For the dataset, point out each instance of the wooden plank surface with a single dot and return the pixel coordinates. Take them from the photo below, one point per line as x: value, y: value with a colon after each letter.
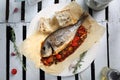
x: 32, y: 72
x: 30, y: 12
x: 2, y: 10
x: 114, y: 34
x: 14, y: 15
x: 3, y: 51
x: 64, y: 1
x: 101, y: 58
x: 46, y: 3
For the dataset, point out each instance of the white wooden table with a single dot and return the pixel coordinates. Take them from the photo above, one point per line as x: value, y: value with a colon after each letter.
x: 109, y: 55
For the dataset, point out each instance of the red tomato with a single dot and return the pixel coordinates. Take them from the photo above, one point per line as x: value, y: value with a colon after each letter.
x: 13, y: 71
x: 50, y: 59
x: 81, y: 30
x: 74, y: 44
x: 58, y: 56
x: 76, y: 38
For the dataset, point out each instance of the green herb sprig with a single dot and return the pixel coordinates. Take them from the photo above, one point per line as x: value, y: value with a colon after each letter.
x: 78, y: 64
x: 13, y: 40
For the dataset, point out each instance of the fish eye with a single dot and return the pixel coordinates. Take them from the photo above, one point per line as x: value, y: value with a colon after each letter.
x: 43, y: 48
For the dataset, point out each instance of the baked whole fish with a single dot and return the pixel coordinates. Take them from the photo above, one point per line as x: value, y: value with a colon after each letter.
x: 59, y: 41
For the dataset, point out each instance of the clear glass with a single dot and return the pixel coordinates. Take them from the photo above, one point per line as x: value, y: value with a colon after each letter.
x: 97, y: 4
x: 110, y: 74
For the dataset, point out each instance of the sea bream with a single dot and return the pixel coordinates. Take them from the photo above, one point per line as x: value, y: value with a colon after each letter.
x: 59, y: 39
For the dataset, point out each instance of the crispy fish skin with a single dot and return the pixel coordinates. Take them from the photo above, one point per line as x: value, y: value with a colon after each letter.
x: 59, y: 39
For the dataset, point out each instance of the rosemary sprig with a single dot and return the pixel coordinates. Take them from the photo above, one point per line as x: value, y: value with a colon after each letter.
x: 78, y: 65
x: 13, y: 39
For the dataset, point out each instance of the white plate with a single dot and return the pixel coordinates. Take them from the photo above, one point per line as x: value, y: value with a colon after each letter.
x: 48, y: 12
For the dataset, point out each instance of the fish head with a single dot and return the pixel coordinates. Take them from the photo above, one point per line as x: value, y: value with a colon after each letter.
x: 46, y: 49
